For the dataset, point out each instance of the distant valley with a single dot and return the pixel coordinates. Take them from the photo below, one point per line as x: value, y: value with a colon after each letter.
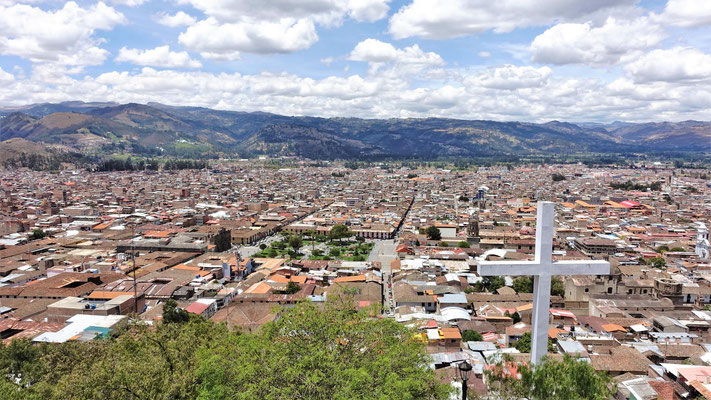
x: 157, y: 129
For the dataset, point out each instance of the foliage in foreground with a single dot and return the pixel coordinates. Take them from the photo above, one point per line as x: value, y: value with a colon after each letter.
x: 568, y: 379
x: 308, y: 353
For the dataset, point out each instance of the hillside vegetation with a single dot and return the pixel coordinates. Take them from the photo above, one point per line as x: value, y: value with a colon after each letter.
x: 156, y: 129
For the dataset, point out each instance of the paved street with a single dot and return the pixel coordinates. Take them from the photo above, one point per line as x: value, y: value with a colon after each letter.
x: 384, y: 252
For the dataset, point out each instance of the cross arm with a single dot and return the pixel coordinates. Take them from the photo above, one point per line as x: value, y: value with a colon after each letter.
x: 487, y: 268
x: 581, y: 267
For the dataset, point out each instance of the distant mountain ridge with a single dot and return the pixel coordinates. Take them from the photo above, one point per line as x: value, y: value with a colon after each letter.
x: 101, y: 128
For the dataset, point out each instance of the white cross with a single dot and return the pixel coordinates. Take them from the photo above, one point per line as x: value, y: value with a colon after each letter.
x: 543, y: 268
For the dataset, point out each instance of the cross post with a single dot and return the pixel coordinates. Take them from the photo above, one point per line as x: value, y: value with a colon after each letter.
x: 542, y: 268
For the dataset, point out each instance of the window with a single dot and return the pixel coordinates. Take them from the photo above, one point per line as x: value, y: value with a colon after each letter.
x: 587, y: 290
x: 609, y: 290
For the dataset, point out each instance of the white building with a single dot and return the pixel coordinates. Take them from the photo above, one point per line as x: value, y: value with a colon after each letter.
x: 702, y: 241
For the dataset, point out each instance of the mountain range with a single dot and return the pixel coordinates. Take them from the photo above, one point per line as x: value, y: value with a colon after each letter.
x: 154, y: 129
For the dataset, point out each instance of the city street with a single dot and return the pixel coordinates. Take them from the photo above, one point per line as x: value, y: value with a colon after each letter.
x: 384, y: 252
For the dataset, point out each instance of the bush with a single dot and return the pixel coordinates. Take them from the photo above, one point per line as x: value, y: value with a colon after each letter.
x: 472, y: 336
x: 568, y: 379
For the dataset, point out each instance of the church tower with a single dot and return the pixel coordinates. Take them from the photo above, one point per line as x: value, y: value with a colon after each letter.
x: 702, y: 241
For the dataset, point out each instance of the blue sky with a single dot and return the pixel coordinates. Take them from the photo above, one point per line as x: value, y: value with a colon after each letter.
x: 532, y: 60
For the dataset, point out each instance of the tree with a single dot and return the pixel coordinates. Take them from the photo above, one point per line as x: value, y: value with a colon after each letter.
x: 292, y: 287
x: 523, y: 284
x: 173, y: 314
x: 37, y: 234
x: 515, y: 317
x: 658, y: 262
x: 339, y: 232
x: 262, y: 246
x: 463, y: 198
x: 295, y: 241
x: 312, y: 235
x: 338, y: 352
x: 568, y: 379
x: 491, y: 283
x: 524, y: 344
x: 557, y: 177
x: 472, y: 336
x: 433, y: 233
x: 463, y: 244
x: 443, y: 244
x: 557, y: 287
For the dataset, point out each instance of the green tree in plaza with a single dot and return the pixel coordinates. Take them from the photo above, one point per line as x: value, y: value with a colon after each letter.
x: 433, y: 233
x: 339, y: 232
x: 312, y: 236
x: 463, y: 245
x: 295, y: 241
x: 568, y: 379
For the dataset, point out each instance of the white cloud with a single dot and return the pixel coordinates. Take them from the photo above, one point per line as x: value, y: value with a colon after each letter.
x: 368, y: 10
x: 6, y: 77
x: 484, y: 54
x: 510, y: 77
x: 158, y: 57
x: 324, y: 12
x: 671, y: 65
x: 64, y: 36
x: 502, y: 93
x: 615, y: 41
x: 178, y: 19
x: 129, y: 3
x: 268, y: 27
x: 435, y: 19
x: 687, y: 13
x: 214, y: 40
x: 375, y: 51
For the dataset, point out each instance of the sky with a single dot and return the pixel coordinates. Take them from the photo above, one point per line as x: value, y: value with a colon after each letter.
x: 526, y: 60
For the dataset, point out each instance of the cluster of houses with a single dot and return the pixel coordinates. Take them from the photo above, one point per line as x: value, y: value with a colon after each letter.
x: 79, y: 252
